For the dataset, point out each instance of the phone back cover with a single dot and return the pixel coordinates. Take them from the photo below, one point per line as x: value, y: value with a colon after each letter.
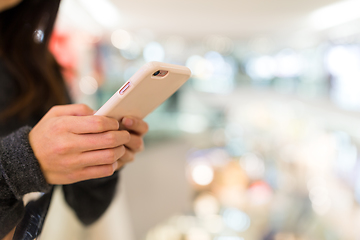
x: 146, y: 92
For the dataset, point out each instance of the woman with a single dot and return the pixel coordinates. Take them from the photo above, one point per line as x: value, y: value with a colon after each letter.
x: 42, y: 145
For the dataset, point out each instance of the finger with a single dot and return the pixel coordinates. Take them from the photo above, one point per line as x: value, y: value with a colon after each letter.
x: 101, y: 157
x: 70, y: 110
x: 98, y: 141
x: 94, y: 172
x: 120, y: 164
x: 136, y: 143
x: 90, y: 124
x: 128, y: 156
x: 135, y: 125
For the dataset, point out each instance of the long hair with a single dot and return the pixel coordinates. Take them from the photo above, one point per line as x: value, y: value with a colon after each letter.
x: 25, y: 31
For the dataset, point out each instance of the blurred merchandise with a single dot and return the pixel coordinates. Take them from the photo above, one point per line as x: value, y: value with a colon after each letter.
x: 293, y: 179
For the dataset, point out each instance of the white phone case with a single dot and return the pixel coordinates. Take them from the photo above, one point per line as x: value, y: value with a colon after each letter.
x: 143, y: 92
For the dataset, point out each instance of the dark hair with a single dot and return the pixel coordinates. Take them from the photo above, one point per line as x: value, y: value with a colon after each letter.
x: 25, y: 31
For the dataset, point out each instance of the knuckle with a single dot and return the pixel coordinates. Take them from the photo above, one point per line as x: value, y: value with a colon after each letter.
x: 111, y: 139
x: 57, y: 128
x: 128, y: 157
x: 61, y: 148
x: 64, y: 165
x: 73, y: 177
x: 59, y: 125
x: 126, y: 135
x: 110, y: 156
x: 115, y: 122
x: 54, y: 109
x: 108, y: 170
x: 98, y: 123
x: 69, y: 164
x: 83, y: 107
x: 139, y: 144
x: 122, y: 151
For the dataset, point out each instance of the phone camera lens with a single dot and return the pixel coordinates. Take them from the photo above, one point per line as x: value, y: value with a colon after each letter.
x: 156, y: 73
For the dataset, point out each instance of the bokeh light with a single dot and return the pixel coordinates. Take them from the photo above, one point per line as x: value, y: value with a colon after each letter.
x: 213, y: 224
x: 319, y: 195
x: 206, y: 205
x: 121, y: 39
x: 88, y: 85
x: 212, y: 73
x: 260, y: 193
x: 199, y: 67
x: 345, y: 11
x: 154, y: 51
x: 253, y: 165
x: 262, y: 68
x: 185, y: 223
x: 163, y: 233
x: 343, y: 64
x: 236, y: 219
x: 198, y: 234
x: 39, y: 36
x: 289, y: 64
x: 104, y: 12
x: 202, y: 174
x: 343, y: 60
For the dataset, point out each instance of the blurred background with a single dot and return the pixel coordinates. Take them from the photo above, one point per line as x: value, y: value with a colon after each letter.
x: 260, y: 144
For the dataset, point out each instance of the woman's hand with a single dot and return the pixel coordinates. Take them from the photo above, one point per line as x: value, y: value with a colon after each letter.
x: 72, y: 145
x: 137, y: 129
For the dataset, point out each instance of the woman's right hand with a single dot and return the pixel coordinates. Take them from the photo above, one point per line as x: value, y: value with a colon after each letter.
x: 72, y: 145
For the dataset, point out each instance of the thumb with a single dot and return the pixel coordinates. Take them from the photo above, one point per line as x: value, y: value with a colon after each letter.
x: 70, y: 110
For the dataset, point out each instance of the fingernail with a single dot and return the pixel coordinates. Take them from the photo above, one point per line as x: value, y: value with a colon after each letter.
x: 115, y: 165
x: 128, y: 122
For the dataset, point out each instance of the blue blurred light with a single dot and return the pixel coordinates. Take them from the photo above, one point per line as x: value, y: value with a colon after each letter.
x: 212, y: 73
x: 262, y: 68
x: 289, y: 64
x: 236, y: 219
x: 154, y: 51
x: 343, y: 64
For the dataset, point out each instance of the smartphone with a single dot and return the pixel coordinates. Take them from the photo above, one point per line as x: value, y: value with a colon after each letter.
x: 148, y: 88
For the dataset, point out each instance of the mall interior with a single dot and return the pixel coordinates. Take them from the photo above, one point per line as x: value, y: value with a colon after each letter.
x: 261, y: 143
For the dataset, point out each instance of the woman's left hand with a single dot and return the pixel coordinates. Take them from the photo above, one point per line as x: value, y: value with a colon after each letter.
x: 137, y: 129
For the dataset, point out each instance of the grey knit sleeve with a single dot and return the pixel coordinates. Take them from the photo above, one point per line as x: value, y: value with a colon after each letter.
x: 20, y: 173
x: 19, y: 166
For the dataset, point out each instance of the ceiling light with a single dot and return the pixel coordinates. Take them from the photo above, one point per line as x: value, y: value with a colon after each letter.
x: 335, y: 14
x: 104, y: 12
